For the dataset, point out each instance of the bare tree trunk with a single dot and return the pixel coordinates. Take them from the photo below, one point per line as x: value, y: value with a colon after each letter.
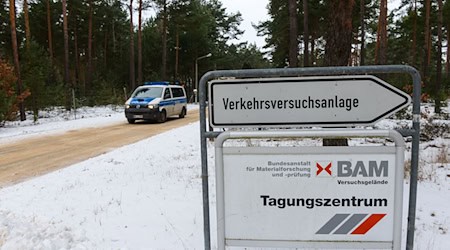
x: 339, y: 34
x: 139, y: 44
x: 49, y: 31
x: 414, y: 42
x: 12, y: 20
x: 105, y: 49
x: 27, y: 23
x: 437, y: 99
x: 338, y: 43
x: 164, y: 42
x: 363, y: 32
x: 313, y: 49
x: 427, y: 44
x: 77, y: 60
x: 293, y: 40
x: 132, y: 73
x: 89, y: 68
x: 66, y: 46
x: 448, y: 51
x: 306, y: 62
x: 78, y: 78
x: 381, y: 48
x: 177, y: 51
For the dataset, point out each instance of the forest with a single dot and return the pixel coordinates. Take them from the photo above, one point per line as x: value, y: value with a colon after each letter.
x: 95, y: 52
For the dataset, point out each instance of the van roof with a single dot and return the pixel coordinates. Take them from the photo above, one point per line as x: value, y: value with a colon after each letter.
x: 157, y: 83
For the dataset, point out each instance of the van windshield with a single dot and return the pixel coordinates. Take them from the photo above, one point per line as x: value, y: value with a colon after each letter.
x: 148, y: 93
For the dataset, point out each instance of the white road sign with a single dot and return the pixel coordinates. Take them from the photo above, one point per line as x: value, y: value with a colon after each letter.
x: 303, y: 101
x: 311, y: 197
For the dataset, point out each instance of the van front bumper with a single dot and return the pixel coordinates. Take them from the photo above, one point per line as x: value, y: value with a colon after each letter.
x: 141, y: 113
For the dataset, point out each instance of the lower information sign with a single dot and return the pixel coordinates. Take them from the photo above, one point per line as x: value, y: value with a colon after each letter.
x: 311, y: 196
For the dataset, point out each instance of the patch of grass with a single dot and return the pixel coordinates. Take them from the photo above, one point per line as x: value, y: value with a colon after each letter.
x: 426, y: 171
x: 442, y: 156
x: 407, y: 169
x: 431, y: 130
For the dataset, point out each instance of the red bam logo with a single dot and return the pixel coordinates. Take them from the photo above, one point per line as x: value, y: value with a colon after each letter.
x: 323, y: 169
x: 354, y: 224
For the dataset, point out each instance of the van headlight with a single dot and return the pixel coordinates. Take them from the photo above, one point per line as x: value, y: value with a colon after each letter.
x: 153, y: 106
x: 127, y: 106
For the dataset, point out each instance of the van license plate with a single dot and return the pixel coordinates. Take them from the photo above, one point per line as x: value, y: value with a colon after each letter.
x: 138, y: 116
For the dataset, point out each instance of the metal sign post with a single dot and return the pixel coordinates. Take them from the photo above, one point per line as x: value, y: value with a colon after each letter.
x: 414, y: 132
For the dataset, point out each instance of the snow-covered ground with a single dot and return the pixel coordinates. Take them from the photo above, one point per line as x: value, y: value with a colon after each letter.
x: 57, y: 120
x: 148, y: 195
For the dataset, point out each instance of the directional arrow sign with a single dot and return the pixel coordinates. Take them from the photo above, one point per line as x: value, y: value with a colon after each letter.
x: 303, y: 101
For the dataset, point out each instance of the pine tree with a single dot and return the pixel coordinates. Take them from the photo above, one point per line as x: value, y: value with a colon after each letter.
x: 12, y: 20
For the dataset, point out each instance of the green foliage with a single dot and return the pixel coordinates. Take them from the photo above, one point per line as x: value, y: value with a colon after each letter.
x: 38, y: 25
x: 446, y: 87
x: 277, y: 32
x: 104, y: 94
x: 276, y: 29
x: 225, y: 26
x: 152, y: 40
x: 201, y: 27
x: 5, y: 31
x: 446, y: 13
x: 54, y: 94
x: 35, y: 71
x: 194, y: 29
x: 241, y: 56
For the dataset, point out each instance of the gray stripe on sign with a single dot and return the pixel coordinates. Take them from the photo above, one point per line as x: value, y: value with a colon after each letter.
x: 350, y: 223
x: 332, y: 223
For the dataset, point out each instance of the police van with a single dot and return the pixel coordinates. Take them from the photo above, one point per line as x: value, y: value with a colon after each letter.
x: 156, y: 101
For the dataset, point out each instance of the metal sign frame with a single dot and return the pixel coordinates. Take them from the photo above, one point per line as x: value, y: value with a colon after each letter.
x: 222, y: 241
x: 414, y: 132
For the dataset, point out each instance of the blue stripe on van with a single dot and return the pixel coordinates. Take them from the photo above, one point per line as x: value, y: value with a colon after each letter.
x: 145, y: 101
x: 172, y: 102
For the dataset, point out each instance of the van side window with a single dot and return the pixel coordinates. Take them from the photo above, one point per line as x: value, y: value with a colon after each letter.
x: 177, y: 92
x: 167, y: 94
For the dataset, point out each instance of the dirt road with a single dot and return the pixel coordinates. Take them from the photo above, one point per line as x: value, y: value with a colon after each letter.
x: 33, y: 157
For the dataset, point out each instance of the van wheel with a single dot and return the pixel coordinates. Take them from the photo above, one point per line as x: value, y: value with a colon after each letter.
x: 162, y: 117
x: 183, y: 113
x: 131, y: 121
